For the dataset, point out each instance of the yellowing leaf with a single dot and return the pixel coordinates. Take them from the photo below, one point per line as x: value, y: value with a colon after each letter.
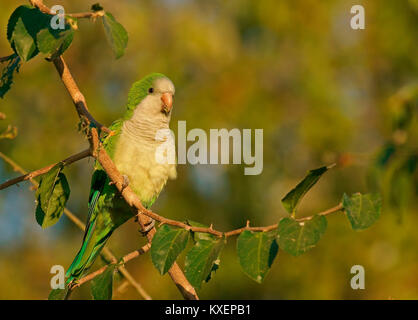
x: 362, y: 210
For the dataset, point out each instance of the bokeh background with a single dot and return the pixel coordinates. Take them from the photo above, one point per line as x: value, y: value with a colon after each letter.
x: 321, y: 91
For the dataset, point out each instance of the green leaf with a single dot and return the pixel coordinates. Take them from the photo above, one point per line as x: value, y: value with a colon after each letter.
x: 362, y: 210
x: 102, y: 285
x: 29, y: 31
x: 115, y: 34
x: 297, y: 237
x: 22, y: 28
x: 200, y: 235
x: 58, y: 294
x: 256, y: 253
x: 167, y: 244
x: 6, y: 79
x: 54, y: 42
x: 292, y: 199
x: 23, y: 42
x: 200, y: 260
x: 52, y: 195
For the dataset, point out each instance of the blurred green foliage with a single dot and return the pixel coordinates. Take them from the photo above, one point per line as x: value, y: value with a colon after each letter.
x: 321, y: 91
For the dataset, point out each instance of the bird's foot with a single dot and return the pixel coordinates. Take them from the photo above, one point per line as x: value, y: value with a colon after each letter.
x: 73, y: 283
x: 147, y: 227
x: 125, y: 182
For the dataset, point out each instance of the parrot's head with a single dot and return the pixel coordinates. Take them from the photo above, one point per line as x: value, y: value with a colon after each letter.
x: 153, y: 95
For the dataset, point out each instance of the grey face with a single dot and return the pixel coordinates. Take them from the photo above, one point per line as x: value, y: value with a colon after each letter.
x: 158, y: 104
x: 163, y: 85
x: 163, y: 90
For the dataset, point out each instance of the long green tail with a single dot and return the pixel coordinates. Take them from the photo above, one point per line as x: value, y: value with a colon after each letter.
x: 93, y: 242
x: 100, y: 223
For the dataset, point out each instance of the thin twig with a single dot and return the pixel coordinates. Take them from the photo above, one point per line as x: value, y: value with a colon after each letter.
x: 121, y: 269
x: 122, y: 287
x: 76, y: 157
x: 337, y: 208
x: 86, y: 15
x: 135, y: 284
x: 40, y: 5
x: 75, y: 93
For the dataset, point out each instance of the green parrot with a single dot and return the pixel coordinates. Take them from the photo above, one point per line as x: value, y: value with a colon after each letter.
x: 132, y: 145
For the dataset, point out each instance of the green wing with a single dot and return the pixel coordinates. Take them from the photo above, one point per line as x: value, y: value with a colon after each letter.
x: 111, y: 140
x: 85, y: 256
x: 98, y: 228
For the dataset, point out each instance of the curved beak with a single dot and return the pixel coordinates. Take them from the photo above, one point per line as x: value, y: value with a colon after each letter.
x: 167, y: 99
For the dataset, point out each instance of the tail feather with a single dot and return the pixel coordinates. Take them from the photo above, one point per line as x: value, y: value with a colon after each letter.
x: 81, y: 252
x: 93, y: 243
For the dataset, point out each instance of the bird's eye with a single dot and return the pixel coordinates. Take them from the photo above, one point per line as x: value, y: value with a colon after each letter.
x: 151, y: 90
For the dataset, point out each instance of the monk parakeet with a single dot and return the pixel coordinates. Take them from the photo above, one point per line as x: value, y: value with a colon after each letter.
x: 131, y: 145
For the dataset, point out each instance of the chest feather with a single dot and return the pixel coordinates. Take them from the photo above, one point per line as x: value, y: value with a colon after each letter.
x: 135, y: 158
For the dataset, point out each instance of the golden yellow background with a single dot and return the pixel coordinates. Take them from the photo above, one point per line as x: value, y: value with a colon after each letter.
x: 321, y: 91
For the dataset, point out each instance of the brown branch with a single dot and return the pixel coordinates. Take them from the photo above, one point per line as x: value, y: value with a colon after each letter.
x: 87, y: 15
x: 135, y: 284
x: 125, y: 273
x: 121, y: 269
x: 337, y: 208
x: 106, y: 253
x: 40, y: 5
x: 77, y: 97
x: 76, y: 157
x: 136, y: 253
x: 121, y: 288
x: 234, y: 232
x: 43, y: 8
